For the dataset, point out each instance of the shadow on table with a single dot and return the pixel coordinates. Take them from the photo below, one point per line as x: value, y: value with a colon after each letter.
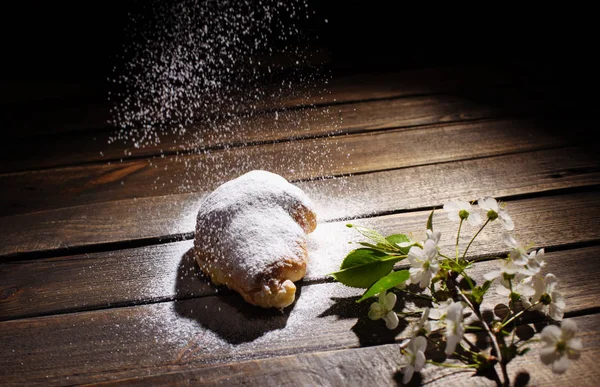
x: 367, y: 331
x: 221, y: 310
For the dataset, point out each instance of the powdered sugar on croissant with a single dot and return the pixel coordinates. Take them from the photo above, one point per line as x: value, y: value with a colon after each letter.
x: 251, y: 237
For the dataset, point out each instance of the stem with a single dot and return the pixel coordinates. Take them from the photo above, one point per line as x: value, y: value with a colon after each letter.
x: 532, y: 340
x: 518, y: 314
x: 474, y: 236
x: 492, y: 338
x: 467, y: 349
x: 426, y: 297
x: 452, y: 365
x: 458, y: 237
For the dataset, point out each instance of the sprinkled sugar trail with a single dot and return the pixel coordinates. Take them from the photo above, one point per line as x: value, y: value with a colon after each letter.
x: 196, y: 71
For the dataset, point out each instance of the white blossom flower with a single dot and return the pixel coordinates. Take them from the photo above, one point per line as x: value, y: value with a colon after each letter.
x: 438, y: 314
x: 414, y: 356
x: 495, y: 211
x: 382, y: 309
x: 424, y: 263
x: 516, y: 283
x: 552, y: 303
x: 518, y: 253
x: 506, y: 268
x: 460, y: 209
x: 560, y: 346
x: 454, y: 327
x: 535, y: 261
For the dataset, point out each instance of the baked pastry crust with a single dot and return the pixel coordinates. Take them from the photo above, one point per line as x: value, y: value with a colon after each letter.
x: 251, y: 237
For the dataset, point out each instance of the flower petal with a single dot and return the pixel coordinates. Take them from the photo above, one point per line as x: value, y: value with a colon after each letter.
x: 419, y: 360
x: 509, y: 240
x: 550, y: 280
x: 451, y: 206
x: 517, y: 256
x: 575, y: 346
x: 506, y: 220
x: 464, y: 205
x: 455, y: 312
x: 474, y: 218
x: 376, y: 307
x: 434, y: 236
x: 561, y: 364
x: 488, y: 203
x: 451, y: 343
x: 408, y: 373
x: 569, y: 329
x: 390, y: 301
x: 420, y: 344
x: 430, y: 249
x: 416, y: 255
x: 391, y: 320
x: 425, y: 279
x: 551, y: 334
x: 375, y: 312
x: 548, y: 354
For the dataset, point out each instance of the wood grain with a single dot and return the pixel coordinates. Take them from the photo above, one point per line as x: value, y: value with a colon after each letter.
x: 297, y: 160
x: 61, y: 108
x: 97, y: 287
x: 168, y: 271
x: 63, y: 149
x: 161, y: 337
x: 379, y: 366
x: 174, y: 215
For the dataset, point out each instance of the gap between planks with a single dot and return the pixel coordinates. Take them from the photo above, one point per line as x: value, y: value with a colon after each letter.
x: 150, y: 339
x: 72, y: 149
x: 339, y: 89
x: 379, y: 366
x: 352, y: 154
x: 122, y: 277
x: 146, y: 221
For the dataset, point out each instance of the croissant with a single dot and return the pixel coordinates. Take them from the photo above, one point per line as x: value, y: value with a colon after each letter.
x: 251, y: 236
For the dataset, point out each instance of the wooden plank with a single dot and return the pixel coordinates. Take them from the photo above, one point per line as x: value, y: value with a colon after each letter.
x: 169, y: 216
x: 379, y: 366
x: 64, y: 149
x: 305, y: 159
x: 170, y: 336
x: 27, y: 118
x: 166, y: 272
x: 432, y: 80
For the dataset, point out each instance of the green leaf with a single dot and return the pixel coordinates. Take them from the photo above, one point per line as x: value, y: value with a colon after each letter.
x: 374, y: 236
x: 363, y: 267
x: 486, y: 285
x: 385, y: 283
x: 370, y: 245
x: 479, y: 292
x: 430, y: 220
x: 398, y: 240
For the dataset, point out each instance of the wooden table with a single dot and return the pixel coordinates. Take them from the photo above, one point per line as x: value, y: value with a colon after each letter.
x: 97, y: 283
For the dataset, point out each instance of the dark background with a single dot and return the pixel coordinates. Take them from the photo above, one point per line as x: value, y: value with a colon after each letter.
x: 81, y: 41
